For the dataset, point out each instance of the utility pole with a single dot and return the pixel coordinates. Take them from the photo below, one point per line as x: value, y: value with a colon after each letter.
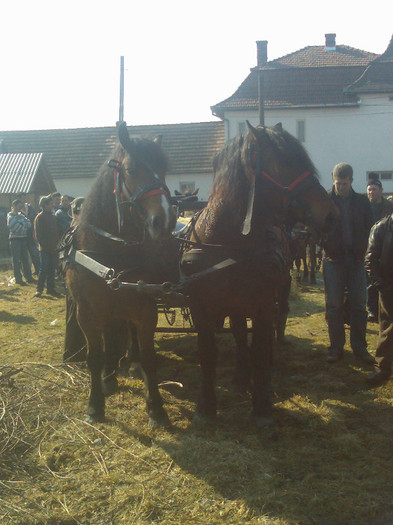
x: 121, y: 106
x: 261, y: 104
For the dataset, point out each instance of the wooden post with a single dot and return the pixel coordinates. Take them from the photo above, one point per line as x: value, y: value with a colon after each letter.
x: 260, y: 99
x: 121, y: 106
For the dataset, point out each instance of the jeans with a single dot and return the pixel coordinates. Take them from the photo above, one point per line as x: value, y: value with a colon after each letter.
x: 33, y: 251
x: 48, y: 263
x: 348, y: 275
x: 20, y: 259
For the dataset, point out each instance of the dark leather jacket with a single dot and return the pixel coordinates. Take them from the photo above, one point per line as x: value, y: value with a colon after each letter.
x: 360, y: 211
x: 379, y: 256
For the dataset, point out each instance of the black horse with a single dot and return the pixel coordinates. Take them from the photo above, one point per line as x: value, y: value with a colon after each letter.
x: 259, y: 176
x: 125, y: 224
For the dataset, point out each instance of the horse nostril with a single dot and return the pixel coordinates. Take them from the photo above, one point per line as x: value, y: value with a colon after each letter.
x: 157, y: 223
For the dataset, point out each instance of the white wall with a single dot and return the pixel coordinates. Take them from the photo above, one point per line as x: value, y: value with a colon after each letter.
x: 80, y: 187
x: 361, y: 136
x: 203, y: 181
x: 74, y: 187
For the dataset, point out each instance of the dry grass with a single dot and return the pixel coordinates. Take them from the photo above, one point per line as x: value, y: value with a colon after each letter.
x: 327, y: 461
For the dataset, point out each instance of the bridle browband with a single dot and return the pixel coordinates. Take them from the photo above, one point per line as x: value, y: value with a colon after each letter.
x: 124, y: 196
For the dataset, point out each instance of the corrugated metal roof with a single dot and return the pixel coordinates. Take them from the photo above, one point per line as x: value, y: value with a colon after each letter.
x: 17, y: 171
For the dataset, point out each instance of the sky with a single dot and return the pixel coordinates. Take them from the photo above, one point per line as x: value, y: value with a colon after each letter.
x: 60, y: 60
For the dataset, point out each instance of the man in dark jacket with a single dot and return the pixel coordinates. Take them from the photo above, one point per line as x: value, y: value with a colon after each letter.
x: 47, y: 235
x: 343, y: 266
x: 63, y: 215
x: 379, y: 266
x: 380, y: 207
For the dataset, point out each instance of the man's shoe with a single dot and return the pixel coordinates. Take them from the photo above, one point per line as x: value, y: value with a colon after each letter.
x: 21, y: 283
x: 334, y: 356
x: 372, y: 318
x: 31, y: 280
x: 37, y: 294
x: 365, y: 356
x: 377, y: 378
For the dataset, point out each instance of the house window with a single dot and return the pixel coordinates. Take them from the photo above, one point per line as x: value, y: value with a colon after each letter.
x: 301, y: 130
x: 186, y: 188
x: 381, y: 175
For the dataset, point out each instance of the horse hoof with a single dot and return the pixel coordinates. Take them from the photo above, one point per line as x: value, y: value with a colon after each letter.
x: 159, y: 420
x: 110, y: 386
x: 95, y: 418
x: 264, y: 421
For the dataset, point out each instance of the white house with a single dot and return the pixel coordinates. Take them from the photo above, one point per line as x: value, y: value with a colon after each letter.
x: 335, y: 99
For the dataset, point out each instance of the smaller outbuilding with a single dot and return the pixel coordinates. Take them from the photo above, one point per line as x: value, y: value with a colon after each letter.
x: 20, y: 173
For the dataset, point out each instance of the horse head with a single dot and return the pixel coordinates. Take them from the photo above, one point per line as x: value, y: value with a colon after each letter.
x: 140, y: 183
x: 284, y: 169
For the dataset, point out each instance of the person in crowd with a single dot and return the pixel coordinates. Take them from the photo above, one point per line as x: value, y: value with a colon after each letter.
x: 56, y: 198
x: 47, y: 235
x: 379, y: 267
x: 32, y: 247
x: 18, y: 226
x: 343, y: 266
x: 63, y: 215
x: 380, y: 207
x: 74, y: 340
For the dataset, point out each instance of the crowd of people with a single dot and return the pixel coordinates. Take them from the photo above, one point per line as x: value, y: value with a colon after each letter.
x: 357, y: 263
x: 34, y: 237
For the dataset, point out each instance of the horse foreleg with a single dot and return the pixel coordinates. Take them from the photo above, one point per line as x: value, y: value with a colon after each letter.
x: 261, y: 358
x: 241, y: 380
x: 116, y: 340
x: 313, y: 263
x: 148, y: 365
x: 95, y: 363
x: 305, y: 267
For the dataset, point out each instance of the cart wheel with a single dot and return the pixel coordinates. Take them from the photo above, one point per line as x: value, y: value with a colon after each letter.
x: 186, y: 313
x: 170, y: 315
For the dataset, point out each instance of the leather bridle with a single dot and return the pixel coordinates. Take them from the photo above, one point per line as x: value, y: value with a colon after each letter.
x: 124, y: 196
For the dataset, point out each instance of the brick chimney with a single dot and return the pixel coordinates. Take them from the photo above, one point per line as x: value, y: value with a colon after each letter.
x: 330, y: 42
x: 261, y: 52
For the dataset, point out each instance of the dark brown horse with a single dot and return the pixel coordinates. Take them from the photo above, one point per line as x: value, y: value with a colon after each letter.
x: 304, y: 251
x: 125, y: 221
x: 260, y: 176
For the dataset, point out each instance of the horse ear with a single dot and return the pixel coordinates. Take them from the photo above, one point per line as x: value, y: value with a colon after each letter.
x: 278, y: 127
x: 124, y: 137
x: 158, y: 140
x: 252, y: 130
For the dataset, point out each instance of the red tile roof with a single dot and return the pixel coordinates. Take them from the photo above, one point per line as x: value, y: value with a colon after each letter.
x: 75, y: 153
x: 312, y: 76
x: 378, y: 76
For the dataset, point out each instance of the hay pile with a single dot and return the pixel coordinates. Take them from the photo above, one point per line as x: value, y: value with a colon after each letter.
x: 327, y: 461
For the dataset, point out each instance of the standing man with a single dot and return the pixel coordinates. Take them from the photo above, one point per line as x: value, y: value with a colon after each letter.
x: 47, y: 235
x: 379, y: 266
x: 343, y: 266
x: 18, y: 226
x: 380, y: 208
x: 32, y: 247
x: 63, y: 214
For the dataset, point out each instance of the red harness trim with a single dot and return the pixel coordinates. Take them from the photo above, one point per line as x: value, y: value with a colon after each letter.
x: 292, y: 186
x: 152, y: 193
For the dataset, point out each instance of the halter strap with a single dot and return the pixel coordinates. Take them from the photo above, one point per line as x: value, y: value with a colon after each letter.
x: 122, y: 194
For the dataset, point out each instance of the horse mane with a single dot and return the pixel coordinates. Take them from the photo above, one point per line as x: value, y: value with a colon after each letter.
x: 291, y: 152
